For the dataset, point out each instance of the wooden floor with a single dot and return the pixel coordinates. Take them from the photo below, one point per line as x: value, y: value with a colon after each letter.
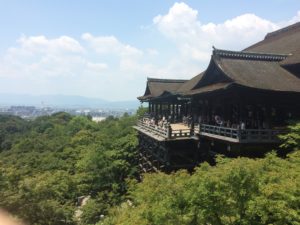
x: 175, y: 127
x: 179, y: 126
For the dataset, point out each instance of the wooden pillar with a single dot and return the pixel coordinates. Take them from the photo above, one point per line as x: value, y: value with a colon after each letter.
x: 153, y: 108
x: 160, y: 109
x: 255, y: 116
x: 224, y: 115
x: 192, y: 114
x: 173, y: 112
x: 228, y: 111
x: 177, y: 112
x: 149, y: 107
x: 169, y: 110
x: 240, y: 113
x: 209, y: 112
x: 269, y: 116
x: 156, y: 109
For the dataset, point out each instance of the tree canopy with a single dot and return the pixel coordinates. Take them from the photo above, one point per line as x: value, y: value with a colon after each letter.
x: 48, y: 163
x: 233, y: 192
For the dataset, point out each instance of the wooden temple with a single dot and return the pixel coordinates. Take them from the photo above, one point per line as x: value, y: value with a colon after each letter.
x: 236, y: 107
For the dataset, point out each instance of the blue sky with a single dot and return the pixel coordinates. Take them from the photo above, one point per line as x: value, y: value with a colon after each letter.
x: 107, y: 49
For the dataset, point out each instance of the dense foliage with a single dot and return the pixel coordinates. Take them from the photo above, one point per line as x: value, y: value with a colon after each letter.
x: 235, y: 191
x: 291, y: 141
x: 47, y: 163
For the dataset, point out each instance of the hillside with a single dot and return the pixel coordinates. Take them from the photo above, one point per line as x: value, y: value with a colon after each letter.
x: 48, y: 163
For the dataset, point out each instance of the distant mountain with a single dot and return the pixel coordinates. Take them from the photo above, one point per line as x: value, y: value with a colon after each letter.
x: 64, y: 101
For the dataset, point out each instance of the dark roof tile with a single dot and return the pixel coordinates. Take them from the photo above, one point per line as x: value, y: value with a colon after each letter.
x: 268, y: 75
x: 190, y: 84
x: 158, y: 87
x: 284, y: 41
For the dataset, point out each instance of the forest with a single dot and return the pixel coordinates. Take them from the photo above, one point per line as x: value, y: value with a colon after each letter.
x: 47, y: 164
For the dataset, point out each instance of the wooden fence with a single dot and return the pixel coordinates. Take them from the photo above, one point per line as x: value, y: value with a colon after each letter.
x: 165, y: 130
x: 242, y: 136
x: 218, y: 132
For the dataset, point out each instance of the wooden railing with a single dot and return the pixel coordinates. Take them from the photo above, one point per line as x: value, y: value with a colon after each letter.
x: 180, y: 133
x: 260, y: 135
x: 164, y: 131
x: 218, y: 132
x: 239, y: 135
x: 152, y: 128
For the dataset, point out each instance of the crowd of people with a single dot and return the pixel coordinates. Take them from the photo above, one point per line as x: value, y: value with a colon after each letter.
x: 215, y: 120
x: 160, y: 121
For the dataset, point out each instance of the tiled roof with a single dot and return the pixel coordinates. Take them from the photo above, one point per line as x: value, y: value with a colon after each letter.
x: 283, y: 41
x: 158, y: 87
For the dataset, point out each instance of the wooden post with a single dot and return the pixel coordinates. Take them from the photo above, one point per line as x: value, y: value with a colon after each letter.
x: 192, y: 116
x: 192, y: 127
x: 173, y: 112
x: 152, y: 108
x: 177, y: 112
x: 238, y: 134
x: 169, y: 131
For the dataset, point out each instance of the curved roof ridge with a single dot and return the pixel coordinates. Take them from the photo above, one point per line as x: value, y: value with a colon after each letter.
x: 284, y: 40
x: 283, y: 30
x: 162, y: 80
x: 249, y: 55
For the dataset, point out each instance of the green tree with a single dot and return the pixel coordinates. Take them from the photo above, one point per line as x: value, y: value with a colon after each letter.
x: 52, y: 160
x: 291, y: 140
x: 237, y: 191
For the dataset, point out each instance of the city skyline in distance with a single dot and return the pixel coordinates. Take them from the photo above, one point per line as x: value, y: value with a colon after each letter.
x: 68, y: 101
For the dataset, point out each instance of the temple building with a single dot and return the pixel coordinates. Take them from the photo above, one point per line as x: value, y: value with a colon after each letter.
x: 238, y: 106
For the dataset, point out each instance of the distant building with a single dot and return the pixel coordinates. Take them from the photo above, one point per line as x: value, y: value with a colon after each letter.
x: 98, y: 118
x: 237, y: 106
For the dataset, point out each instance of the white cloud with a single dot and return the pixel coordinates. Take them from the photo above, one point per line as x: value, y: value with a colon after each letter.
x: 129, y: 60
x: 152, y: 51
x: 88, y: 66
x: 291, y: 21
x: 181, y: 19
x: 38, y: 57
x: 42, y: 44
x: 96, y: 67
x: 195, y: 40
x: 111, y: 45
